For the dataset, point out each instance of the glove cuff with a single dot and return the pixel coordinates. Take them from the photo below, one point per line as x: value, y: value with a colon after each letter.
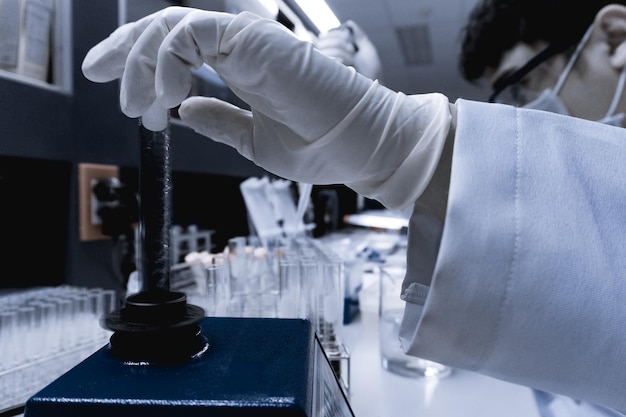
x: 416, y: 135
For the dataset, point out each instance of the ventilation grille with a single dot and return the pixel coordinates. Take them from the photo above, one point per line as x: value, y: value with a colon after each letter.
x: 415, y: 43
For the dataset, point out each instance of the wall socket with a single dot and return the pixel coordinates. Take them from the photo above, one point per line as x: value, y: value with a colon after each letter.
x: 88, y: 174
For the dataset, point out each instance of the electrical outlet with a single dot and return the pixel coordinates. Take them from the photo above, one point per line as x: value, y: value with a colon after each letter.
x: 88, y: 175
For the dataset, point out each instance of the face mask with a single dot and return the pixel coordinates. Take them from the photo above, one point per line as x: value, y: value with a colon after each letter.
x: 549, y: 100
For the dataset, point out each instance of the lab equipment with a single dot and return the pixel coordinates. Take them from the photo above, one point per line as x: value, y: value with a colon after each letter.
x: 246, y: 356
x: 272, y: 210
x: 252, y: 367
x: 391, y: 310
x: 255, y: 367
x: 188, y: 240
x: 294, y: 278
x: 208, y: 281
x: 317, y: 295
x: 303, y: 279
x: 156, y: 325
x: 290, y: 288
x: 253, y: 282
x: 215, y: 271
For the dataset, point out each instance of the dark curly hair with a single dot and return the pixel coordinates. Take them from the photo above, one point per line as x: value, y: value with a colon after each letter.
x: 495, y: 26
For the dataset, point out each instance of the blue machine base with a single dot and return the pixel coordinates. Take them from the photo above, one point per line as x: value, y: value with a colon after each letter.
x: 254, y: 367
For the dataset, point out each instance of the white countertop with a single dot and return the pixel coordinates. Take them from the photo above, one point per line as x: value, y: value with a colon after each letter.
x: 375, y: 392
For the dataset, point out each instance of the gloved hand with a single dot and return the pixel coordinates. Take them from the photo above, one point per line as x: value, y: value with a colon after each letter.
x: 351, y: 46
x: 313, y: 119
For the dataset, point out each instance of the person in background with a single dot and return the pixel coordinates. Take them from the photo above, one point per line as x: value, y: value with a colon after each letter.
x: 525, y: 282
x: 530, y: 61
x: 351, y: 46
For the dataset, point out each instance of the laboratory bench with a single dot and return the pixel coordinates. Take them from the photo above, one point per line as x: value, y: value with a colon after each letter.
x: 375, y: 392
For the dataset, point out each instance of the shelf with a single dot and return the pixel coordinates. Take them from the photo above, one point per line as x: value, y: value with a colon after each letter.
x: 37, y: 50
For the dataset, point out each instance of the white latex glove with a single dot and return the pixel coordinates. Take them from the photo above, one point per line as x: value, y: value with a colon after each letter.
x: 350, y: 45
x: 313, y: 119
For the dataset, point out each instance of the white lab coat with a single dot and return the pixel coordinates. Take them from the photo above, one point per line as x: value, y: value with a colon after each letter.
x: 528, y: 282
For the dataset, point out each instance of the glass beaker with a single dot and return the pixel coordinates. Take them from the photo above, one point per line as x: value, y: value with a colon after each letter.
x: 391, y: 309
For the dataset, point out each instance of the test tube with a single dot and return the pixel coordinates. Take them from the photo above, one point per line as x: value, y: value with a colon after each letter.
x: 109, y: 300
x: 26, y: 340
x: 237, y: 265
x: 42, y: 321
x: 51, y: 328
x: 330, y: 295
x: 310, y: 273
x: 8, y: 335
x: 257, y: 267
x: 65, y: 310
x: 95, y: 300
x: 215, y: 277
x: 289, y: 289
x: 83, y: 315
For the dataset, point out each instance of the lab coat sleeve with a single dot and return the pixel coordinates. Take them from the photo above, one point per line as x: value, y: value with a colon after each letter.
x: 529, y: 280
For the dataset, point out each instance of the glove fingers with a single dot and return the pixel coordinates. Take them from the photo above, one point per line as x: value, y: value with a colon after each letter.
x: 259, y: 59
x: 284, y: 78
x: 131, y: 54
x: 159, y: 65
x: 138, y: 91
x: 106, y: 61
x: 194, y: 41
x: 220, y: 121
